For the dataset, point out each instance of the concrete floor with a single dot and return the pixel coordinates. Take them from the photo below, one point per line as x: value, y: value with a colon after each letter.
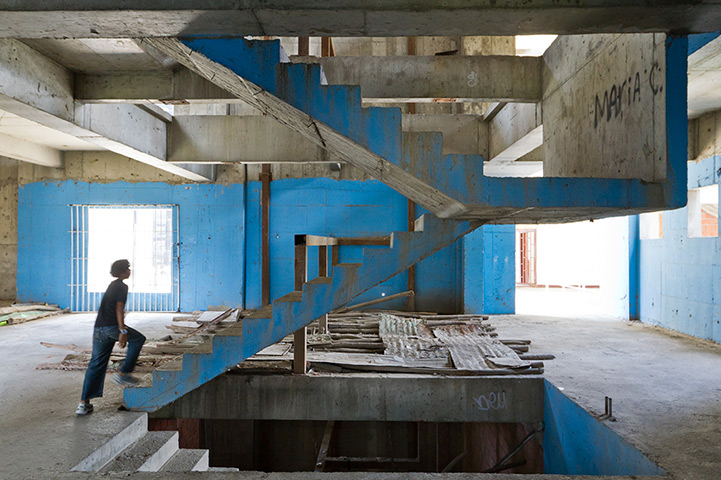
x: 666, y: 390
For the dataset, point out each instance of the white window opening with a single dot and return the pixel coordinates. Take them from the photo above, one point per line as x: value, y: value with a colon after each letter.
x: 703, y: 211
x: 650, y: 226
x: 147, y: 236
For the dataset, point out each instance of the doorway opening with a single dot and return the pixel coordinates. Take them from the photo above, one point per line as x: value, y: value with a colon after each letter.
x: 146, y: 235
x: 573, y: 269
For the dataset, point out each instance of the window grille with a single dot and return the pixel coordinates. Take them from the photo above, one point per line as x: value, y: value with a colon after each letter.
x: 146, y: 235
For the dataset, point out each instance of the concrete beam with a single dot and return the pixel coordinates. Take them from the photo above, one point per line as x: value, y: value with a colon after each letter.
x: 488, y: 78
x: 461, y: 133
x: 515, y: 131
x: 30, y: 152
x: 38, y: 89
x: 172, y: 87
x: 140, y: 18
x: 369, y: 397
x: 248, y: 139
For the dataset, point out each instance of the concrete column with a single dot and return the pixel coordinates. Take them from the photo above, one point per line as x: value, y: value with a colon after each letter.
x: 8, y: 227
x: 634, y: 268
x: 489, y: 270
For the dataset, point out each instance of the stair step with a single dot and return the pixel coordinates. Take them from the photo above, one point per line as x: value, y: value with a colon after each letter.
x: 295, y: 296
x: 265, y: 312
x: 110, y: 450
x: 188, y: 460
x: 148, y: 454
x: 320, y: 281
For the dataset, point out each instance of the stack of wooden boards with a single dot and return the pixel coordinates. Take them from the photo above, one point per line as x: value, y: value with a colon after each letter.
x: 26, y: 312
x: 404, y: 342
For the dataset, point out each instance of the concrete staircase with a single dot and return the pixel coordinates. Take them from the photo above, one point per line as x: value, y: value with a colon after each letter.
x: 449, y: 186
x: 135, y: 449
x: 294, y: 311
x: 452, y: 187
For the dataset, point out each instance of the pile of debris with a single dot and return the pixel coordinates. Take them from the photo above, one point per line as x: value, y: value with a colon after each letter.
x: 26, y: 312
x: 375, y: 341
x: 403, y: 342
x: 155, y: 352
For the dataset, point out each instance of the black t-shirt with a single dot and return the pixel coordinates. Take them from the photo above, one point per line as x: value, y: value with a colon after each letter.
x: 117, y: 292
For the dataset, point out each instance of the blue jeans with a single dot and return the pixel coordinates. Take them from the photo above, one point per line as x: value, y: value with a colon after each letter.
x: 104, y: 339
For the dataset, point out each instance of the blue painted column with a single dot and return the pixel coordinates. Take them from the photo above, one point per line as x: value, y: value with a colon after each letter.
x: 489, y: 270
x: 634, y: 267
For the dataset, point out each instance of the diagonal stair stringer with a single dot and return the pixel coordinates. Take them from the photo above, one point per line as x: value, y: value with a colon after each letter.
x: 295, y: 310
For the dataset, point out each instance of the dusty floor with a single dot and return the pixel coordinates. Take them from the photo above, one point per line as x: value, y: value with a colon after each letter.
x: 666, y: 387
x: 666, y: 390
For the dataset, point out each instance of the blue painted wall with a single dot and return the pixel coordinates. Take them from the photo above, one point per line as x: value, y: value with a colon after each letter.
x: 575, y: 443
x: 215, y: 225
x: 489, y: 270
x: 680, y: 285
x: 211, y: 233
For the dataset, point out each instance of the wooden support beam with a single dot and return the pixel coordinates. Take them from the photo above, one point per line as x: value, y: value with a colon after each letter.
x: 301, y: 272
x: 326, y: 47
x: 265, y: 177
x: 303, y: 45
x: 412, y: 270
x: 323, y: 261
x: 334, y: 255
x: 324, y: 446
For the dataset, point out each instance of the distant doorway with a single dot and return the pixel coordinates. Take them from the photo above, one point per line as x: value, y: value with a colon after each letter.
x: 576, y: 269
x: 147, y: 235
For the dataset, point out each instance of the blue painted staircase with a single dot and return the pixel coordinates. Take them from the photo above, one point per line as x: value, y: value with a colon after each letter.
x: 452, y: 187
x: 295, y: 310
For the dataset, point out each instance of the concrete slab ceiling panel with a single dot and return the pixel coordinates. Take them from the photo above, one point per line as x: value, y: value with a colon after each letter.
x: 121, y: 19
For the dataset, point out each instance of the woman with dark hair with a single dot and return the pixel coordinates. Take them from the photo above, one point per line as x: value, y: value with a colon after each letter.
x: 110, y: 328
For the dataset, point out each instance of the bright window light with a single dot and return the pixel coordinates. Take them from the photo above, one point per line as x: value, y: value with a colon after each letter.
x: 142, y: 235
x: 703, y: 211
x: 533, y: 45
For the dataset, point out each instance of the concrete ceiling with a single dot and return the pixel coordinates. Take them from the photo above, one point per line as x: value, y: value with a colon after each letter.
x: 144, y: 18
x: 97, y: 55
x: 704, y: 78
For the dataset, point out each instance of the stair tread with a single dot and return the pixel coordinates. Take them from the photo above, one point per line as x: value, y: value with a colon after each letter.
x: 295, y: 296
x: 321, y: 281
x: 265, y: 312
x: 136, y: 455
x: 187, y: 460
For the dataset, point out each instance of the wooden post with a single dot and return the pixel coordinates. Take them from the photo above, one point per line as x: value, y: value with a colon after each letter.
x: 303, y: 46
x: 323, y: 261
x: 265, y: 177
x: 334, y: 255
x: 300, y: 337
x: 326, y: 47
x: 412, y: 269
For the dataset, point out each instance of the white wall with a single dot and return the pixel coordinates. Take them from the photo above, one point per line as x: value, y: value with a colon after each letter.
x: 587, y: 253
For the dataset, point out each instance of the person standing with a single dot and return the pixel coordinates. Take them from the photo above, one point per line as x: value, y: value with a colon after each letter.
x: 110, y: 328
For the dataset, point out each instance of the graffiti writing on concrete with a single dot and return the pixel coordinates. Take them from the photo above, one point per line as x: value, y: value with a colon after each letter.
x: 611, y: 103
x: 492, y: 401
x: 472, y: 79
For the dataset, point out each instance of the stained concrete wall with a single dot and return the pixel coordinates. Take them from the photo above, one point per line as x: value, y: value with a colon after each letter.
x: 604, y: 108
x: 680, y: 277
x: 8, y: 227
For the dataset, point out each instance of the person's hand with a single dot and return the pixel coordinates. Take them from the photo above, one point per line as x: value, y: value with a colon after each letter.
x: 123, y: 340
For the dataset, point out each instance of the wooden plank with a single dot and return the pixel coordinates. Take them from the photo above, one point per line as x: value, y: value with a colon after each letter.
x: 265, y: 178
x: 411, y: 228
x: 324, y: 446
x: 323, y: 261
x: 377, y: 301
x: 317, y: 240
x: 381, y: 241
x: 303, y: 46
x: 334, y: 255
x: 299, y: 350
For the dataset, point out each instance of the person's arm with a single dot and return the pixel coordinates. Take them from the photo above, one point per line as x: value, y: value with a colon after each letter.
x: 120, y: 315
